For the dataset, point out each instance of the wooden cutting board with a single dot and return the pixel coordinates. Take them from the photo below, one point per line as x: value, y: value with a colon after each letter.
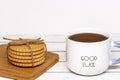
x: 10, y: 71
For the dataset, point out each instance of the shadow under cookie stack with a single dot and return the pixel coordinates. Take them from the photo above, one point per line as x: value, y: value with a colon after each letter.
x: 26, y: 52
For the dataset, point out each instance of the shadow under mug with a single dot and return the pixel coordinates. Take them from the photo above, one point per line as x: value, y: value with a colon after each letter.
x: 89, y: 58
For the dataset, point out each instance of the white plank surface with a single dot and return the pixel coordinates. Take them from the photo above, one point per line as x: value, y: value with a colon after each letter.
x: 60, y: 67
x: 47, y: 38
x: 56, y: 44
x: 71, y: 76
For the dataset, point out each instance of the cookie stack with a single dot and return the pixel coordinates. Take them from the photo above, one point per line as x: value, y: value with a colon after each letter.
x: 26, y: 52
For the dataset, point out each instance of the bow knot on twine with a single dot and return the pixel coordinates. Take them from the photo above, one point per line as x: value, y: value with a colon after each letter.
x: 27, y: 42
x: 22, y: 41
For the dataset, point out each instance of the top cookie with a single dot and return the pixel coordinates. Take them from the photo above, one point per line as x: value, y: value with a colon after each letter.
x: 25, y: 48
x: 26, y: 45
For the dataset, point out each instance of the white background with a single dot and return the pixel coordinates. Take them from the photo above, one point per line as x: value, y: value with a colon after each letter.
x: 57, y: 16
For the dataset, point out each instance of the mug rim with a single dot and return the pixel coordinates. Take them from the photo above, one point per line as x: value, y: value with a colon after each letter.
x: 96, y: 31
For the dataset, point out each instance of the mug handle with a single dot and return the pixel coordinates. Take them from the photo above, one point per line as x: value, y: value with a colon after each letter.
x: 116, y: 61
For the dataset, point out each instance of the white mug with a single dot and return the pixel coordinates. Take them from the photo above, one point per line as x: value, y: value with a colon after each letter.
x: 88, y: 58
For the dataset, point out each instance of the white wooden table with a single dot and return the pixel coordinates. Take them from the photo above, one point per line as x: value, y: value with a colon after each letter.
x: 56, y: 44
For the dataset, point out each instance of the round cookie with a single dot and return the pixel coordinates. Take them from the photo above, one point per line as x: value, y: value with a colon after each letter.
x: 26, y: 57
x: 27, y: 64
x: 25, y: 48
x: 25, y: 61
x: 25, y: 53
